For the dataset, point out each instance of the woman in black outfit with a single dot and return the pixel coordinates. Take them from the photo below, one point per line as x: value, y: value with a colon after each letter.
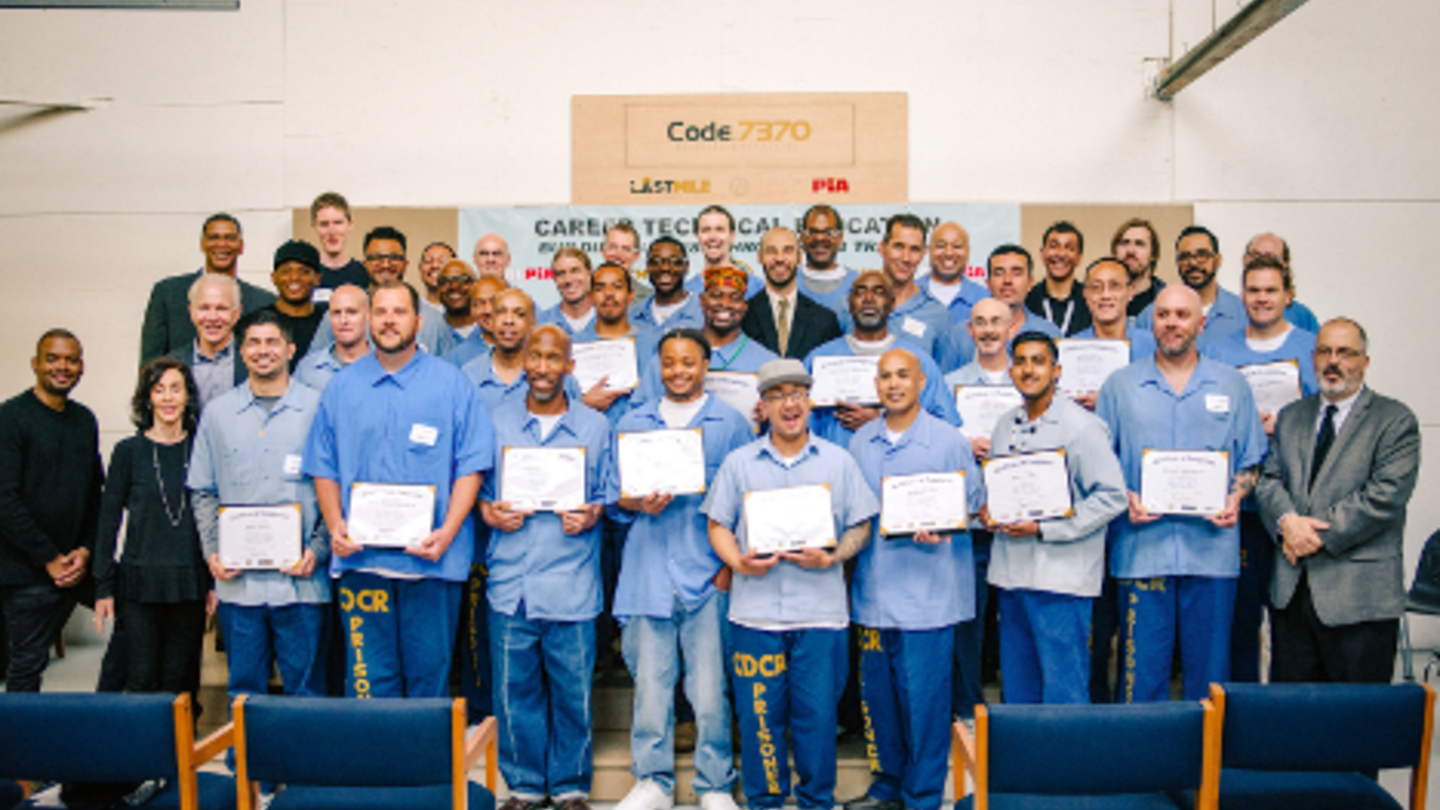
x: 160, y: 587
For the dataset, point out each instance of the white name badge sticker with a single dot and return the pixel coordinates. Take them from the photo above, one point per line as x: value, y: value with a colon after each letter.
x: 423, y: 434
x: 1217, y: 403
x: 913, y: 326
x: 292, y: 464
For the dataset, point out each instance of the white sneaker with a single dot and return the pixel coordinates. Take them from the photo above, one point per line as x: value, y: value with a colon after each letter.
x: 646, y: 795
x: 718, y: 800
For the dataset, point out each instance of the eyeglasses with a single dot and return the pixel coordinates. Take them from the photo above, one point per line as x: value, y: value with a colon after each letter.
x: 833, y: 233
x: 793, y: 396
x: 378, y: 258
x: 1197, y: 256
x: 1339, y: 352
x: 455, y: 280
x: 671, y: 262
x: 489, y: 254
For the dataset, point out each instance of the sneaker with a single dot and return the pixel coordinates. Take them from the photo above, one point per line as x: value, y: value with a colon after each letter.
x: 574, y: 803
x: 718, y: 800
x: 646, y: 795
x: 517, y: 803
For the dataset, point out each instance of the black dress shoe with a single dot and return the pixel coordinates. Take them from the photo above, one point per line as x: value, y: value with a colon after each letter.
x: 868, y: 802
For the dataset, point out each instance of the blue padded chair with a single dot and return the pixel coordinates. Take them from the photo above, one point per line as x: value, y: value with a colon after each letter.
x: 1311, y: 745
x: 1110, y: 757
x: 331, y: 754
x: 114, y: 737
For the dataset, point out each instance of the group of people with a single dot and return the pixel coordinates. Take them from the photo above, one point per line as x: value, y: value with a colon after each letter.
x: 346, y: 377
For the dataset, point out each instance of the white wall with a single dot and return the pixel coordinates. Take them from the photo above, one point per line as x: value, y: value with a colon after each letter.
x: 1322, y: 129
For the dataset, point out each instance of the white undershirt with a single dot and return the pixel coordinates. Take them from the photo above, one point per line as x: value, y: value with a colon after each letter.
x: 942, y: 292
x: 579, y: 324
x: 664, y: 311
x: 995, y: 377
x: 1269, y: 344
x: 678, y: 414
x: 833, y: 274
x: 464, y: 331
x: 547, y: 423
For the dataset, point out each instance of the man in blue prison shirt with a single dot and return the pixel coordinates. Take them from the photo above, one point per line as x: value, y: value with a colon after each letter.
x: 544, y: 589
x: 248, y: 451
x: 1266, y: 287
x: 872, y: 334
x: 400, y: 417
x: 670, y: 598
x: 1049, y: 572
x: 910, y: 592
x: 788, y: 616
x: 1176, y: 574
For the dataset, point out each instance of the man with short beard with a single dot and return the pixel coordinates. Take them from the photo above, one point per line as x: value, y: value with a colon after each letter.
x: 611, y: 288
x: 1197, y: 255
x: 50, y: 479
x: 871, y: 336
x: 949, y: 281
x: 544, y: 591
x: 783, y: 319
x: 297, y: 271
x: 432, y: 261
x: 671, y: 306
x: 822, y: 277
x: 1009, y: 269
x: 456, y: 282
x: 422, y: 424
x: 1176, y: 574
x: 1138, y: 248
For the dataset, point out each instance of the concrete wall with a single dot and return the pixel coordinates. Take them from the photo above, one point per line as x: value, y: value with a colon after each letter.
x: 1321, y: 129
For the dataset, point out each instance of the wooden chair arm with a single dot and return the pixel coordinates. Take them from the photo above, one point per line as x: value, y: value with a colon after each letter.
x: 965, y: 747
x: 482, y: 740
x: 218, y: 741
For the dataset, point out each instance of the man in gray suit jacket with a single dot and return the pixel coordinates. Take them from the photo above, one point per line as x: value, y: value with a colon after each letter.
x: 1341, y: 469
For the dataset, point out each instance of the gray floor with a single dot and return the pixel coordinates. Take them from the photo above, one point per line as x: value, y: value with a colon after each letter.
x: 76, y: 672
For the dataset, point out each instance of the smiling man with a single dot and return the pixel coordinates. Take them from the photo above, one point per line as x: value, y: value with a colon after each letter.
x: 167, y: 325
x: 296, y: 274
x: 715, y: 231
x: 50, y: 477
x: 570, y: 268
x: 456, y: 283
x: 949, y: 269
x: 1059, y: 299
x: 1049, y: 572
x: 1137, y: 246
x: 1009, y: 268
x: 788, y: 611
x: 783, y: 319
x: 544, y: 591
x: 423, y: 426
x: 492, y: 257
x: 671, y: 306
x: 822, y: 277
x: 1197, y: 257
x: 914, y: 313
x: 432, y: 261
x: 1176, y: 574
x: 214, y: 311
x: 248, y: 448
x: 910, y: 591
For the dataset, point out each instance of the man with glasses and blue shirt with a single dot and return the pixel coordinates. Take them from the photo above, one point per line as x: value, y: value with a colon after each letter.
x: 788, y: 609
x: 1198, y: 259
x: 671, y: 306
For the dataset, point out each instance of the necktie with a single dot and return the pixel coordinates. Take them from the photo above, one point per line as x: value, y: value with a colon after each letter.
x: 1323, y: 441
x: 782, y: 325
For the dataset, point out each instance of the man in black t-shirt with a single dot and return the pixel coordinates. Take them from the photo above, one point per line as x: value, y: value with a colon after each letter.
x: 297, y: 271
x: 330, y: 219
x: 50, y: 478
x: 1060, y: 297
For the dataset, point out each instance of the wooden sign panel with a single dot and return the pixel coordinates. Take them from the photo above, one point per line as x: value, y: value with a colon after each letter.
x: 750, y: 148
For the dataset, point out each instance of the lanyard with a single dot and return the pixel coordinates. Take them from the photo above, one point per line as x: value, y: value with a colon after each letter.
x: 744, y: 338
x: 1050, y: 315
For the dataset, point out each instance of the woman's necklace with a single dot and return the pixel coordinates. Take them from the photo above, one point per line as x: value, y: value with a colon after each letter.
x: 173, y: 517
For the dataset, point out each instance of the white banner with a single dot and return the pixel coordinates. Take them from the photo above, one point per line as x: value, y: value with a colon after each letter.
x: 536, y: 232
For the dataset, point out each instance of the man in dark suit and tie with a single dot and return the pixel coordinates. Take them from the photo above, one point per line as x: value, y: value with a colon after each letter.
x: 781, y: 318
x: 1341, y: 469
x: 167, y: 324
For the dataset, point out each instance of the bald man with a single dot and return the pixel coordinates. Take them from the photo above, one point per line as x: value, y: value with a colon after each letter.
x: 1176, y: 574
x: 785, y: 320
x: 950, y: 271
x: 492, y: 257
x: 909, y: 592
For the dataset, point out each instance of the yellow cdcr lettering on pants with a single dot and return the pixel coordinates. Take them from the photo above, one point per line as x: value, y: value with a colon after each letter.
x: 347, y: 600
x: 772, y: 665
x: 373, y: 601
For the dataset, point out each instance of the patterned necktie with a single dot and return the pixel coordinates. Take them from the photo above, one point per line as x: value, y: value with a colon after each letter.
x: 782, y: 325
x: 1323, y: 441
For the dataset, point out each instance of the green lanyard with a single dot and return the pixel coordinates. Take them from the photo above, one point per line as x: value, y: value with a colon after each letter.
x: 744, y: 338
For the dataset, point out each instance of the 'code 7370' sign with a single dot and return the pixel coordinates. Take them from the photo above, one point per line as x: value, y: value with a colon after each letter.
x: 758, y: 148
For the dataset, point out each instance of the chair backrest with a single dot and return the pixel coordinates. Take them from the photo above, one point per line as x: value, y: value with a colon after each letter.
x: 1322, y: 727
x: 345, y: 743
x: 1425, y: 589
x: 105, y: 737
x: 1095, y: 750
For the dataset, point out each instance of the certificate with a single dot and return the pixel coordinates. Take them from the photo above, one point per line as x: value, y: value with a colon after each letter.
x: 668, y: 461
x: 1029, y: 486
x: 981, y: 407
x: 738, y: 389
x: 1085, y: 363
x: 391, y: 515
x: 1184, y: 482
x: 789, y: 518
x: 932, y: 502
x: 260, y: 537
x: 844, y: 379
x: 1274, y: 385
x: 543, y: 479
x: 613, y: 359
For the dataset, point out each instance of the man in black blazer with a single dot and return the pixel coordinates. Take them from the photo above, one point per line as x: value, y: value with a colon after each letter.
x: 781, y: 318
x: 213, y: 355
x: 1341, y: 469
x: 167, y: 317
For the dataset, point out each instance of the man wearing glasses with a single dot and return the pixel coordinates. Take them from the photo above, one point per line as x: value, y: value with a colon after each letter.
x: 823, y: 278
x: 671, y: 306
x: 1197, y: 256
x: 788, y: 608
